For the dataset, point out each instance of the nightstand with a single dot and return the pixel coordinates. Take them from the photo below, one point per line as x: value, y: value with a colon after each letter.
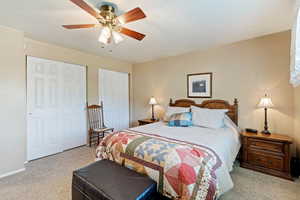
x: 146, y: 121
x: 269, y: 154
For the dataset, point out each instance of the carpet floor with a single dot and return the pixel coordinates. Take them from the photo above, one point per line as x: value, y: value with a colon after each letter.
x: 50, y: 179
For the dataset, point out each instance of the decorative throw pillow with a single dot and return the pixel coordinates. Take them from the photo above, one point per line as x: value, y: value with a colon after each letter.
x: 181, y: 119
x: 173, y: 110
x: 210, y: 118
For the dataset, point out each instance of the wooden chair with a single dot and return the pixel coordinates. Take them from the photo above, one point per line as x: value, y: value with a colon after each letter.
x: 97, y: 128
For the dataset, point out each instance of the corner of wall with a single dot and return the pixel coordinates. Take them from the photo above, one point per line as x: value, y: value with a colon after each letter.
x: 13, y: 100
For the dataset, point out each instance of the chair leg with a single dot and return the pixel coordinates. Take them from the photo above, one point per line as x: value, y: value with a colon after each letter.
x: 90, y: 138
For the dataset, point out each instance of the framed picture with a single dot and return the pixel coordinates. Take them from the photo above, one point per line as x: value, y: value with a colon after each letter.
x: 199, y: 85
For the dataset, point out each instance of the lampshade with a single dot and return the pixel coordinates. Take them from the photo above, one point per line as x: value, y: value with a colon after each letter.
x: 105, y: 35
x: 117, y: 37
x: 265, y: 102
x: 152, y: 101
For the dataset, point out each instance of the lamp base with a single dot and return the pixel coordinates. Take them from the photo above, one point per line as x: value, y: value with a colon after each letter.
x: 267, y: 132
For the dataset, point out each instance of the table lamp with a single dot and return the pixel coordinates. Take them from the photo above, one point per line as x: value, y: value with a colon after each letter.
x: 266, y: 103
x: 152, y: 102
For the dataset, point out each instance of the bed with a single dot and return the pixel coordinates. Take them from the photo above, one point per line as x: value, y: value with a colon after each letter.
x: 187, y: 162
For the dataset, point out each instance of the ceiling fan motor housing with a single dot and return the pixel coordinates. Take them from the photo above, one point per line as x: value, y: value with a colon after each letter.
x: 107, y: 8
x: 108, y: 12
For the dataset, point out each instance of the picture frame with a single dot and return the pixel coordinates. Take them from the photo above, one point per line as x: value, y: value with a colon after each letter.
x: 199, y: 85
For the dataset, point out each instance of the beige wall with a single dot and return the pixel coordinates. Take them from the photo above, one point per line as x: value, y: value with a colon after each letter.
x: 297, y: 118
x: 12, y: 100
x: 243, y: 70
x: 13, y: 48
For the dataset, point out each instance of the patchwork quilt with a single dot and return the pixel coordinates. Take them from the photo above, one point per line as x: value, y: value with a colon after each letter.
x: 182, y: 170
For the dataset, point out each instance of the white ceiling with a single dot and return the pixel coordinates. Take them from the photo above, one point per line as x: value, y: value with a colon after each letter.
x: 172, y: 27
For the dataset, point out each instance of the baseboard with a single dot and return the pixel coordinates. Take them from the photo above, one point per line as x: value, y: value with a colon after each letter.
x: 12, y: 173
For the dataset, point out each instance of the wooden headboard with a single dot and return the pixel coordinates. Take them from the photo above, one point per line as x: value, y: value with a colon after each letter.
x: 211, y: 104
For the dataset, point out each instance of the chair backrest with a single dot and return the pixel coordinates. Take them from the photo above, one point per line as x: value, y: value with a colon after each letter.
x: 95, y: 116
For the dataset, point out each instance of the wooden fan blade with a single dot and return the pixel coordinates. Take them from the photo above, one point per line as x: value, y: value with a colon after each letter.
x: 86, y: 7
x: 132, y: 15
x: 77, y: 26
x: 131, y: 33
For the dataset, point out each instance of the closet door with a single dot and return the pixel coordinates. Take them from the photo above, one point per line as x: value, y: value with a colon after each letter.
x: 73, y: 116
x: 43, y: 103
x: 114, y: 92
x: 56, y: 100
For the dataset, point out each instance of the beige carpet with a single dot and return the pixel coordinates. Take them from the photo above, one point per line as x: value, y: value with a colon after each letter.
x: 50, y: 179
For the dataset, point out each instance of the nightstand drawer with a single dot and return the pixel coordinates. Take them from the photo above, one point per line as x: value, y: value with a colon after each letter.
x: 269, y: 154
x: 267, y: 161
x: 265, y: 145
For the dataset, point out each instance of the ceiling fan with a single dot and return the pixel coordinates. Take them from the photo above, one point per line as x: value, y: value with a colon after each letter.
x: 111, y: 23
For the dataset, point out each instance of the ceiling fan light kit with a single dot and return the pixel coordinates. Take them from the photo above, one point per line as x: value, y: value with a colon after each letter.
x: 105, y: 35
x: 111, y: 23
x: 117, y: 37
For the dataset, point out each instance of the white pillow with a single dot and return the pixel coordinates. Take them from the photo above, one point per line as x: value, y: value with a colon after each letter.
x: 210, y: 118
x: 173, y: 110
x: 230, y: 124
x: 235, y: 129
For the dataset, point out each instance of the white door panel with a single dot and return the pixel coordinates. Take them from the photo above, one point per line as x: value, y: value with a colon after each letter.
x: 114, y: 92
x: 74, y: 106
x: 42, y: 93
x: 55, y: 102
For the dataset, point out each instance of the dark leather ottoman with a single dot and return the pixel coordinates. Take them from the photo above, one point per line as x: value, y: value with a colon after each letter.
x: 106, y: 180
